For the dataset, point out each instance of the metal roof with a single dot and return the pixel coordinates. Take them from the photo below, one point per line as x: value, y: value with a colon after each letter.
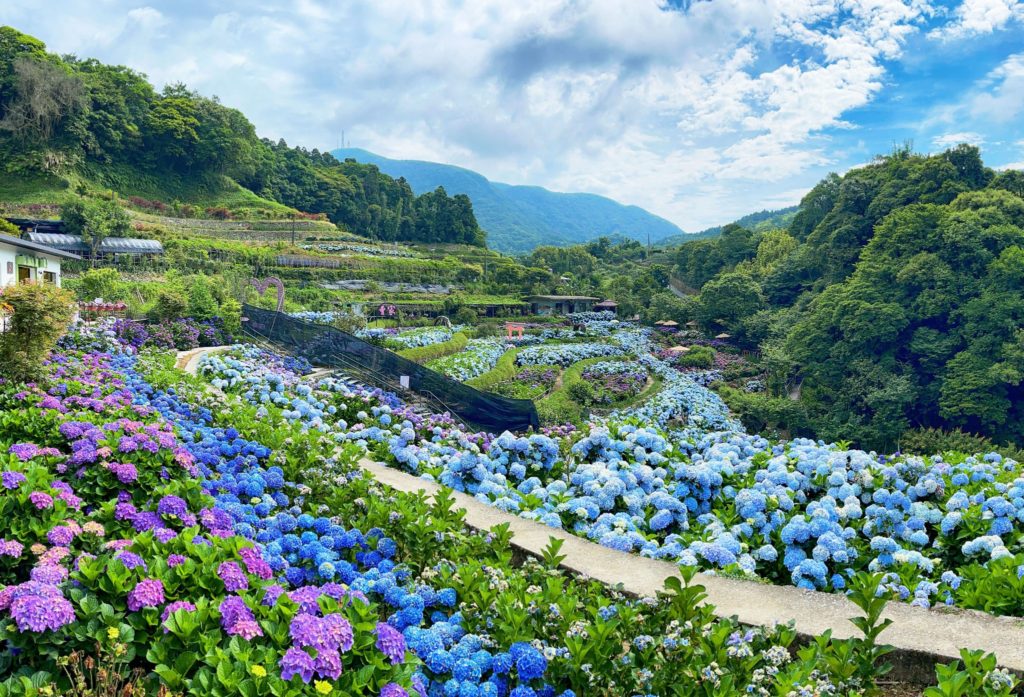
x: 33, y: 246
x: 558, y: 298
x: 111, y: 245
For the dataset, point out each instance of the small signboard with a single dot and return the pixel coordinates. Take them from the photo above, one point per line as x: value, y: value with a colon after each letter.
x: 403, y: 380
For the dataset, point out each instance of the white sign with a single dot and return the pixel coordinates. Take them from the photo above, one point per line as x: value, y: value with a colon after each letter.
x: 403, y: 380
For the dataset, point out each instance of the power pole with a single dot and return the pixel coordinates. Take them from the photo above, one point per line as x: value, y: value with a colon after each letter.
x: 293, y: 229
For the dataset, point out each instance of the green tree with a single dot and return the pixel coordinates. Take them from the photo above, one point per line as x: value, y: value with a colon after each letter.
x: 40, y: 316
x: 47, y: 98
x: 95, y: 221
x: 101, y: 283
x: 728, y: 299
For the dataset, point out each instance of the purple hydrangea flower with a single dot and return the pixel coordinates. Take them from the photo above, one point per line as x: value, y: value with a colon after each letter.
x: 124, y: 471
x: 297, y: 662
x: 41, y: 500
x: 12, y: 480
x: 391, y: 643
x: 146, y: 520
x: 174, y: 560
x: 233, y: 577
x: 233, y: 610
x: 37, y: 607
x: 271, y: 595
x: 10, y: 548
x: 340, y: 631
x: 328, y: 664
x: 24, y: 451
x: 131, y: 560
x: 147, y: 593
x: 247, y: 629
x: 394, y: 690
x: 255, y: 564
x: 164, y: 535
x: 52, y: 574
x: 60, y: 535
x: 307, y: 598
x: 172, y: 505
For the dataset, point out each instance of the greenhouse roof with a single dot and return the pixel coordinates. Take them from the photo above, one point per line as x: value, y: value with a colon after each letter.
x: 111, y: 245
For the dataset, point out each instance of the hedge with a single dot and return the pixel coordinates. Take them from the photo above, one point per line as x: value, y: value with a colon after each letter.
x: 505, y: 369
x: 425, y: 354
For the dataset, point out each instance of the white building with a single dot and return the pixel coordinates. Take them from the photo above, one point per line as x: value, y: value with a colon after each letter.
x: 22, y: 260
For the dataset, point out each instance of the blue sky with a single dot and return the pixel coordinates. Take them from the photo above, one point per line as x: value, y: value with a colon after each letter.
x: 698, y: 110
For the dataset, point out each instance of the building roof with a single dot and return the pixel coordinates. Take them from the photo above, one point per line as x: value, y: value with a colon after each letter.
x: 38, y: 224
x: 111, y: 245
x: 607, y: 303
x: 561, y: 298
x: 30, y: 246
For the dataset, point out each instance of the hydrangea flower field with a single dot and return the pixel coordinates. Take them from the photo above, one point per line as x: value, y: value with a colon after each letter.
x: 193, y: 542
x: 676, y: 478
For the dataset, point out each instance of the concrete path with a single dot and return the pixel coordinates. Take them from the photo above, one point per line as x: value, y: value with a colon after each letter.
x: 921, y: 637
x: 189, y: 360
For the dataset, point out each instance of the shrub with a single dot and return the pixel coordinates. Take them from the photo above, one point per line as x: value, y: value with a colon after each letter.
x: 505, y: 369
x: 218, y: 213
x: 9, y: 228
x: 231, y: 315
x: 101, y: 283
x: 425, y: 354
x: 698, y: 357
x: 465, y: 315
x: 40, y: 315
x: 924, y: 441
x: 170, y: 304
x: 201, y: 303
x: 581, y: 392
x: 348, y: 323
x: 760, y: 412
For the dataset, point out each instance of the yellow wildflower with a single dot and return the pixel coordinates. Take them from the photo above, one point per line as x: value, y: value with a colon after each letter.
x: 323, y: 687
x: 113, y: 632
x: 259, y: 671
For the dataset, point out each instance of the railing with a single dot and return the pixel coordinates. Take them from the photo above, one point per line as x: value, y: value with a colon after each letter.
x: 324, y: 345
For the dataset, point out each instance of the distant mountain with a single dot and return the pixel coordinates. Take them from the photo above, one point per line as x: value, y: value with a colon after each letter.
x: 758, y: 222
x: 519, y: 218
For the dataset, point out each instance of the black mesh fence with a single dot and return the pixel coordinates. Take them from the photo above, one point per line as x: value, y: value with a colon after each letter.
x: 333, y: 348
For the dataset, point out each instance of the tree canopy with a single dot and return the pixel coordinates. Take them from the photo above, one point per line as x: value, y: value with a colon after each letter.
x: 894, y: 296
x: 60, y: 114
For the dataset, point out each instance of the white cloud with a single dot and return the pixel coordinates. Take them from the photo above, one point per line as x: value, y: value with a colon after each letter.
x: 147, y: 17
x: 1000, y: 95
x: 948, y: 140
x: 690, y: 114
x: 978, y: 17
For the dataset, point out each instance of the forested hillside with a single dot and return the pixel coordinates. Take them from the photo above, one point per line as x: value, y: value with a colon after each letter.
x: 892, y: 302
x: 520, y: 218
x: 77, y: 124
x: 761, y: 221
